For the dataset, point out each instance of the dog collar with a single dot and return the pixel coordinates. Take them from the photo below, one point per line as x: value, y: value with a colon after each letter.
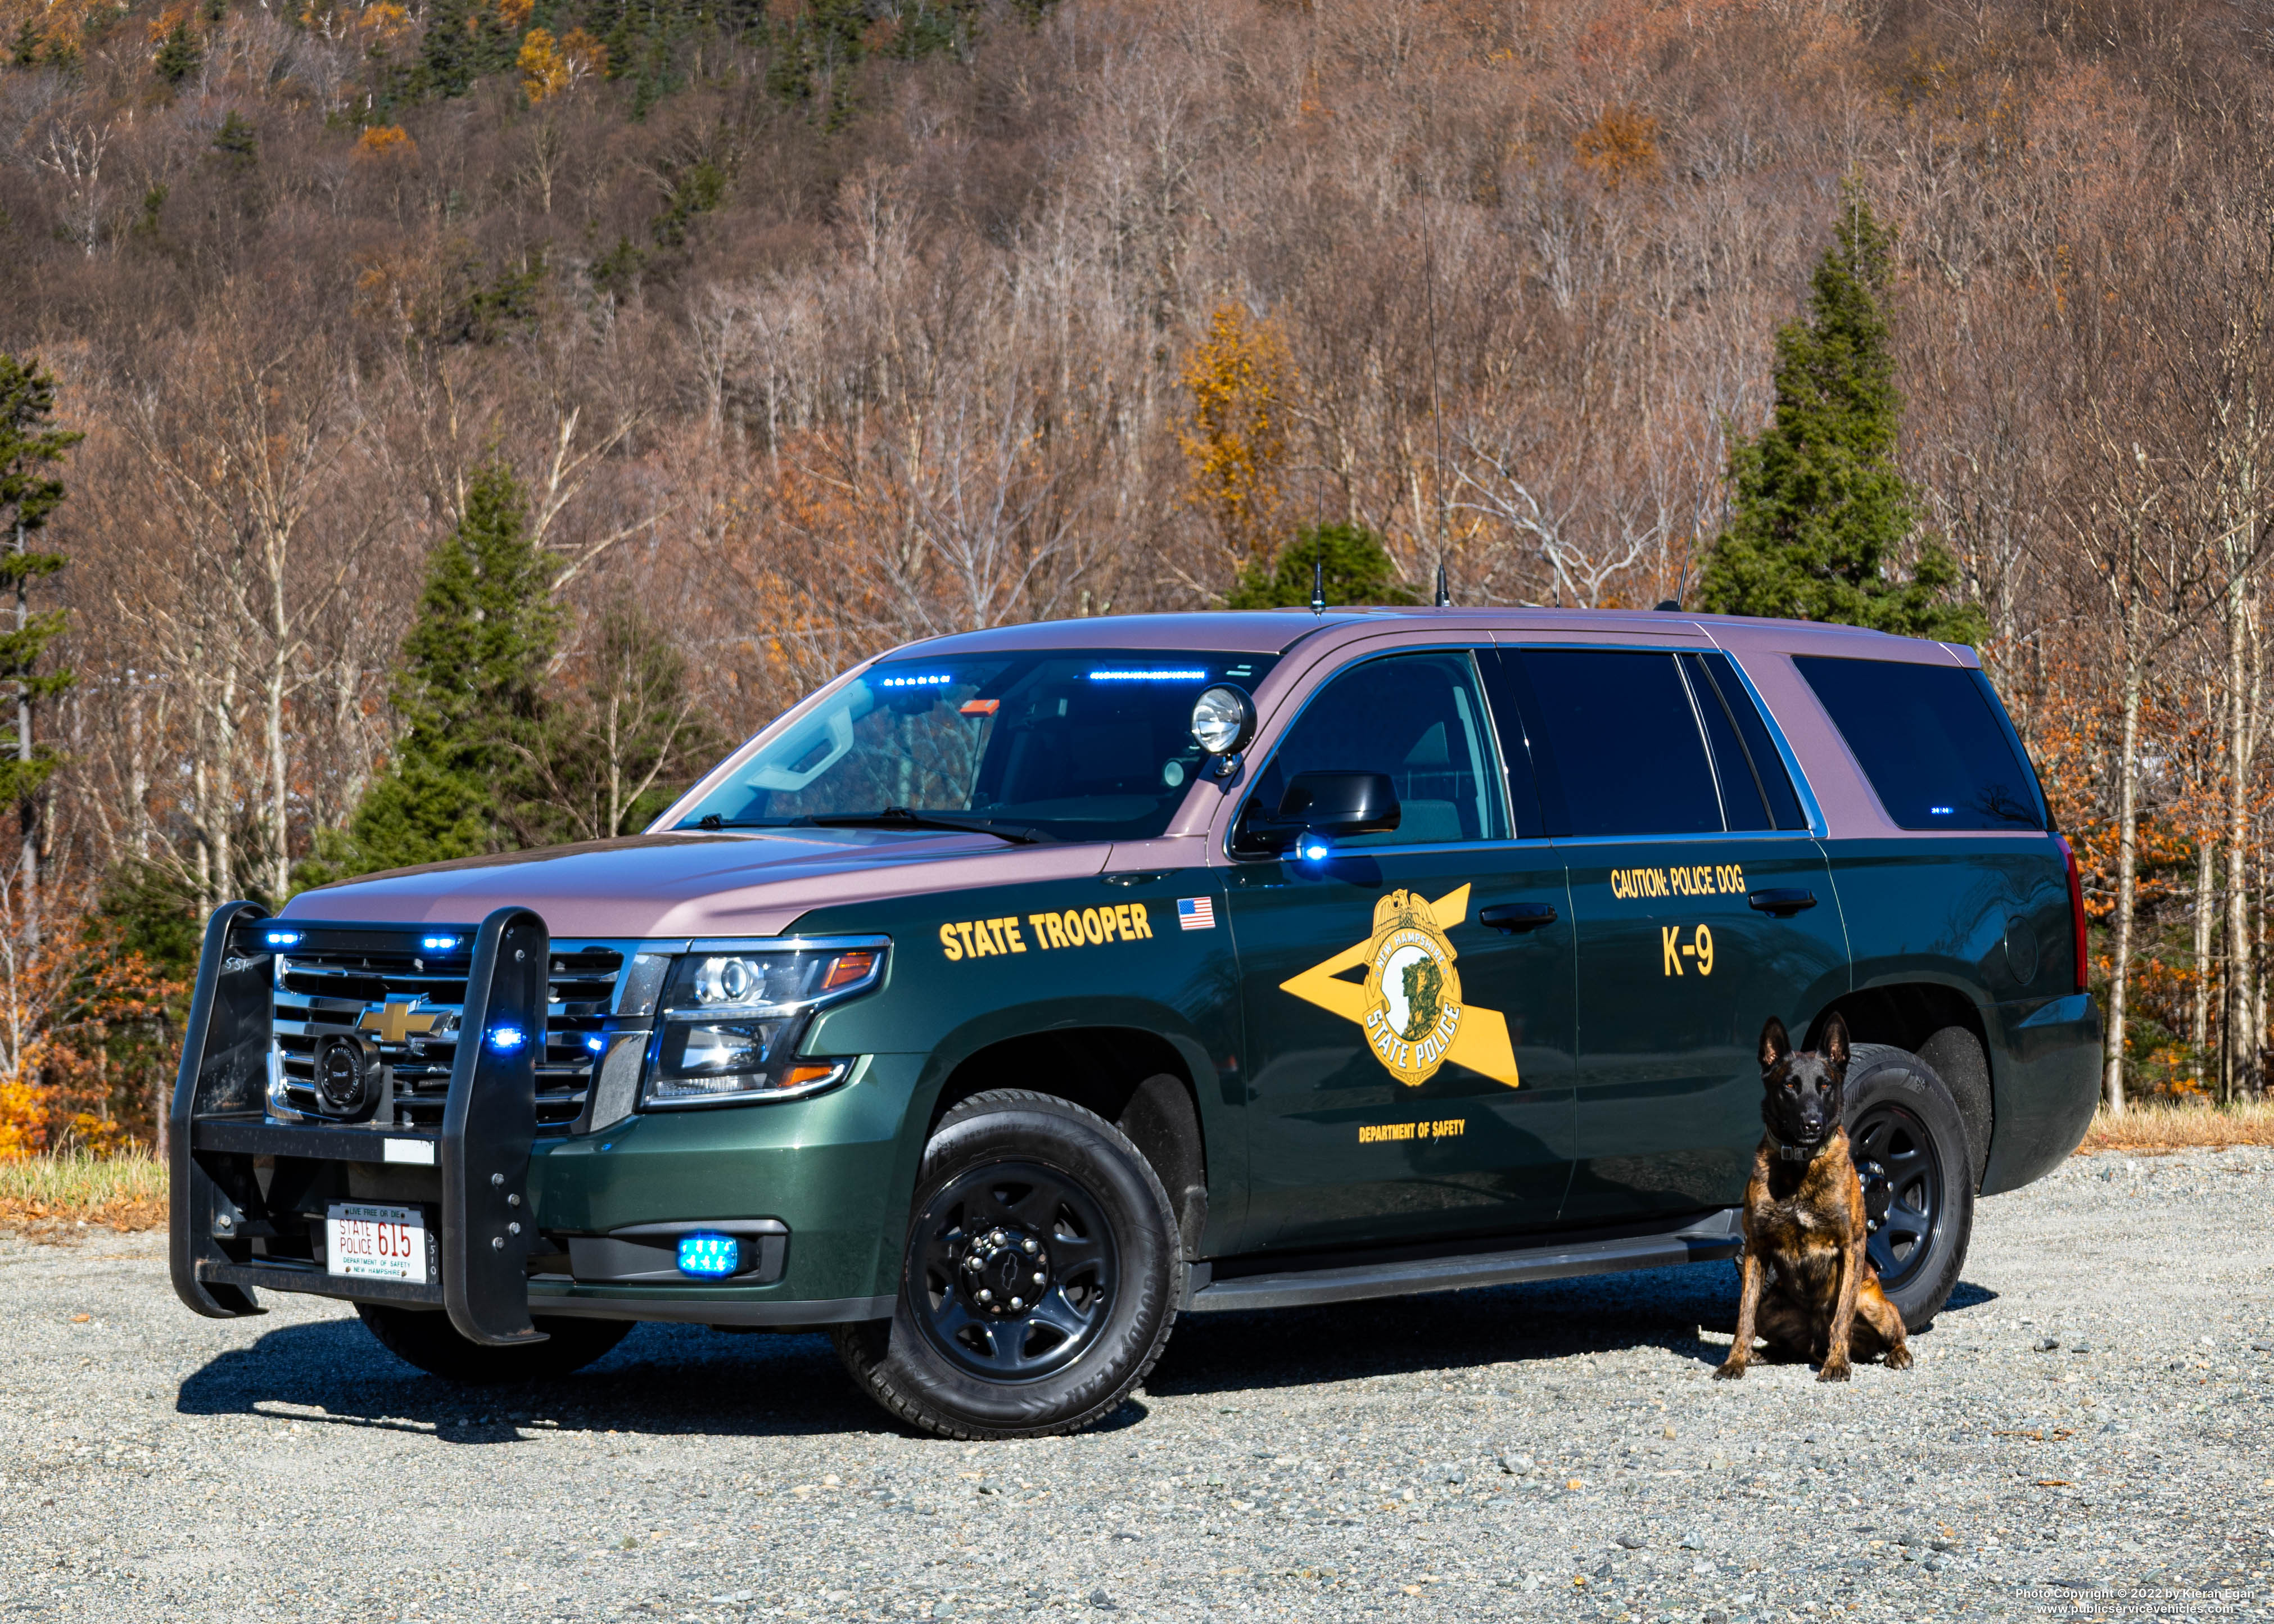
x: 1792, y: 1153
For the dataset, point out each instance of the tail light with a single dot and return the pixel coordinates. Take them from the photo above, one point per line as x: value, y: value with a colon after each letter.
x: 2075, y: 911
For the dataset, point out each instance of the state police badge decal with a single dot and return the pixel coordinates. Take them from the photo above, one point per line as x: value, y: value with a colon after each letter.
x: 1409, y: 1005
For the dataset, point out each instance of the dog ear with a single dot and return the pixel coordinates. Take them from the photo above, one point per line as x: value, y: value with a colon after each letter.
x: 1836, y: 1040
x: 1776, y: 1044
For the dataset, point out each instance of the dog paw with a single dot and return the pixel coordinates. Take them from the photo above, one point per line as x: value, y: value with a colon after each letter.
x: 1833, y: 1373
x: 1733, y: 1369
x: 1899, y: 1358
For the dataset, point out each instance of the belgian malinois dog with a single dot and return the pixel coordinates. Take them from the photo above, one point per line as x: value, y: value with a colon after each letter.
x: 1808, y: 1288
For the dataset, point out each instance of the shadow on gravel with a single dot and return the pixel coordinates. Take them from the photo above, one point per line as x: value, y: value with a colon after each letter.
x: 1664, y: 1308
x: 686, y: 1379
x: 662, y: 1378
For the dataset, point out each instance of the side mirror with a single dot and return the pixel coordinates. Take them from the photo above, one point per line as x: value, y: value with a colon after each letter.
x: 1319, y: 807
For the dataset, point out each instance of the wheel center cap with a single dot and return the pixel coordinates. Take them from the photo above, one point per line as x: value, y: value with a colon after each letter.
x: 1878, y: 1193
x: 1004, y: 1271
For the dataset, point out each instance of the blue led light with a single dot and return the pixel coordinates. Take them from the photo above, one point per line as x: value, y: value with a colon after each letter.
x: 1314, y: 848
x: 281, y: 938
x: 595, y: 1043
x: 1148, y: 676
x: 438, y: 944
x: 1939, y: 811
x: 938, y: 682
x: 709, y: 1254
x: 505, y: 1040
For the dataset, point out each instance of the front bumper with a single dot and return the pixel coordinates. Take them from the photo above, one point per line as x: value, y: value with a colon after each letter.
x: 550, y: 1226
x: 825, y: 1168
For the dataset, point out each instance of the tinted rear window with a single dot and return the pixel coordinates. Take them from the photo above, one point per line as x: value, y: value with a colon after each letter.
x: 1933, y: 740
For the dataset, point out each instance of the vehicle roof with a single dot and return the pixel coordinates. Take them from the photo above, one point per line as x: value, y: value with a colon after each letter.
x: 1275, y: 631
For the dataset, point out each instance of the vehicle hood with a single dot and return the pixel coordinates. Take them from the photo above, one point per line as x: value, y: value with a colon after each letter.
x: 731, y: 883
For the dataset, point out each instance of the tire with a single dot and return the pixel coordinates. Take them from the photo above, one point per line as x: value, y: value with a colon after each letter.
x: 1015, y: 1184
x: 428, y: 1339
x: 1911, y: 1148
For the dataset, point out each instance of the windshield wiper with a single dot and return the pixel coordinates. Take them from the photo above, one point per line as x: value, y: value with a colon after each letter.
x: 901, y: 817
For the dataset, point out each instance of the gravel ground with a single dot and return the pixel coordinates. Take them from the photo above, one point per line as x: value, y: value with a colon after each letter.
x: 2082, y: 1436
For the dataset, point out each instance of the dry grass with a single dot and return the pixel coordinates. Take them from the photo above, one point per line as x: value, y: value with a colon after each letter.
x: 2152, y: 1129
x: 48, y: 1195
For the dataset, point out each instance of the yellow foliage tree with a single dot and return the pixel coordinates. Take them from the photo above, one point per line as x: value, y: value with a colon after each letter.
x: 549, y: 66
x: 1619, y: 147
x: 543, y: 71
x: 386, y: 141
x: 1243, y: 382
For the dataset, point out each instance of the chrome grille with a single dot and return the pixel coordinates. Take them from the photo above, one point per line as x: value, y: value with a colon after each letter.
x: 320, y: 993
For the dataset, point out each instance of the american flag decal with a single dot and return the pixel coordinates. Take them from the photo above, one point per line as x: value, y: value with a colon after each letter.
x: 1196, y: 912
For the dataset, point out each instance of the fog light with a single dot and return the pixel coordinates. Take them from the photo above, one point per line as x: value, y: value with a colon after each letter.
x: 709, y: 1255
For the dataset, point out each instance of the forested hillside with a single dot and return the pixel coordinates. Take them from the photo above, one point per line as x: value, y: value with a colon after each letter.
x: 756, y: 336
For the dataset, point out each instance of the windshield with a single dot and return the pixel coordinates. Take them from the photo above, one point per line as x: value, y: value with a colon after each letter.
x: 1092, y: 745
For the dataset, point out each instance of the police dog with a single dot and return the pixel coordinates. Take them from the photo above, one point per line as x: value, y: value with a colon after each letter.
x: 1808, y: 1288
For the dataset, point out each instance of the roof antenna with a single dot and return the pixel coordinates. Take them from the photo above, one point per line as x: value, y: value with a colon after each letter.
x: 1319, y: 576
x: 1444, y: 593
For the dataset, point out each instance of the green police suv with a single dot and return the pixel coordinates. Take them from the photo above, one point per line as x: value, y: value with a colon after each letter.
x: 1023, y: 989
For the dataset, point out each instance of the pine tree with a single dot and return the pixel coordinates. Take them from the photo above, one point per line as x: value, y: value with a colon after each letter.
x: 237, y: 141
x: 1820, y: 509
x: 30, y: 445
x: 470, y: 689
x: 179, y: 56
x: 1359, y: 570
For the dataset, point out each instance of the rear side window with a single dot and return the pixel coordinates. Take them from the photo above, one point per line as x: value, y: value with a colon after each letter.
x: 1933, y: 740
x: 1623, y: 753
x: 1760, y: 760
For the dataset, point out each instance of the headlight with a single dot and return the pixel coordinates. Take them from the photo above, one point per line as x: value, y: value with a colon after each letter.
x: 730, y: 1024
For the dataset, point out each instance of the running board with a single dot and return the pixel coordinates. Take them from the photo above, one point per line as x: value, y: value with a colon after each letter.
x: 1702, y: 1240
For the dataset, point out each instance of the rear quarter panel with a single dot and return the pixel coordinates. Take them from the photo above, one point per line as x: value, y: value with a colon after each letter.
x: 1984, y: 914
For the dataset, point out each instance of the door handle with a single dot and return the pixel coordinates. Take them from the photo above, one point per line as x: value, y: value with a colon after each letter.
x: 1515, y: 917
x: 1783, y: 902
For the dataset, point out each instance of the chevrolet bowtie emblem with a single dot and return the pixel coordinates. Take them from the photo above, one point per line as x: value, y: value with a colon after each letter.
x: 399, y: 1018
x: 1409, y: 1005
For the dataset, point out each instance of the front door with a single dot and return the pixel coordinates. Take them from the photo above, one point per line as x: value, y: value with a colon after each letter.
x: 1408, y: 1001
x: 1698, y: 918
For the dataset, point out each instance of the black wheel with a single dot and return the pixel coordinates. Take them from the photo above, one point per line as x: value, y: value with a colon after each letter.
x: 425, y: 1337
x: 1911, y: 1149
x: 1041, y: 1277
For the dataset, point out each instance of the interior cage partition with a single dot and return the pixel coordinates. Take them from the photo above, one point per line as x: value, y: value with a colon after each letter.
x: 218, y: 1126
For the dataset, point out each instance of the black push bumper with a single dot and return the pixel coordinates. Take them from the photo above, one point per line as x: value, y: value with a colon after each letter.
x: 241, y: 1183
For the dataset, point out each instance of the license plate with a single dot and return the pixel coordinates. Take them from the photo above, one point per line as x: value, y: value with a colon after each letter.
x: 376, y: 1243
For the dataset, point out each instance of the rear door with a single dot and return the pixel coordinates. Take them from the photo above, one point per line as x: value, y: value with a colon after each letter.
x: 1703, y: 906
x: 1410, y: 1065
